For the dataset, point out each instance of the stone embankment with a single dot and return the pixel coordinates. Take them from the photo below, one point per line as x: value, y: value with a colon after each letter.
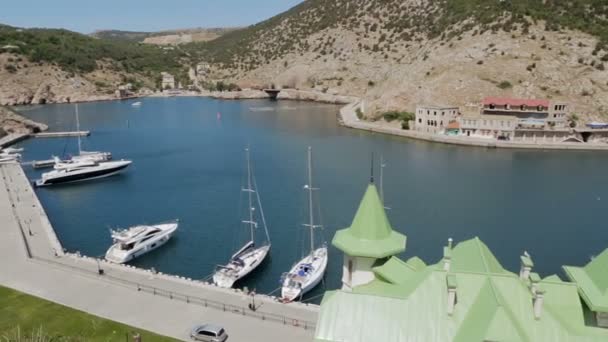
x: 348, y: 118
x: 32, y: 261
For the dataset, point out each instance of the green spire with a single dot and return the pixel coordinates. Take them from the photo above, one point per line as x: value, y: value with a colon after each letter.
x: 370, y: 235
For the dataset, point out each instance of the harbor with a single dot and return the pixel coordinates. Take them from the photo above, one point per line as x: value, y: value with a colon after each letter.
x: 72, y: 240
x: 33, y: 261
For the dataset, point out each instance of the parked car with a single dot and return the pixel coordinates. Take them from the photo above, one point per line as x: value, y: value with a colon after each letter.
x: 209, y: 333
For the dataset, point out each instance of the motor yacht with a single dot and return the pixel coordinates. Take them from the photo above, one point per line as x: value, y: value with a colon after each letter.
x: 80, y: 170
x: 138, y: 240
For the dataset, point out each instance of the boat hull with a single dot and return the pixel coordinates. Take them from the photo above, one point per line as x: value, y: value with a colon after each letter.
x: 253, y: 260
x: 153, y: 244
x: 319, y: 262
x: 84, y: 176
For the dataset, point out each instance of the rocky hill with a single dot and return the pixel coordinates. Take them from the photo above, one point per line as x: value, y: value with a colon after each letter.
x: 50, y: 65
x: 170, y: 37
x: 399, y: 53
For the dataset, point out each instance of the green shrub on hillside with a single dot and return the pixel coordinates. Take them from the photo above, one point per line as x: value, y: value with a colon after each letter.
x: 80, y: 53
x: 504, y: 85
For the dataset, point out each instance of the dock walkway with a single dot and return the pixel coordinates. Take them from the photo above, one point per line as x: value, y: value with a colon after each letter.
x: 32, y: 261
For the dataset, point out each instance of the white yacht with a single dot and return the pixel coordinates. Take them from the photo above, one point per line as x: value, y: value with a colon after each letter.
x: 78, y: 171
x: 11, y: 150
x: 250, y: 256
x: 136, y: 104
x: 309, y: 271
x: 136, y: 241
x: 6, y: 157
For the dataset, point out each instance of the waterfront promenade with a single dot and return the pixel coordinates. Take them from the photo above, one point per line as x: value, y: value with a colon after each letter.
x: 348, y: 118
x: 32, y: 261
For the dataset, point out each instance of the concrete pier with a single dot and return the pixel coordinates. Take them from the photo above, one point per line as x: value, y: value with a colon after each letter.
x: 62, y: 134
x: 32, y: 261
x: 12, y: 139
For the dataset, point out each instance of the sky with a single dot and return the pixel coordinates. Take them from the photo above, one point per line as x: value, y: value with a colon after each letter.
x: 86, y: 16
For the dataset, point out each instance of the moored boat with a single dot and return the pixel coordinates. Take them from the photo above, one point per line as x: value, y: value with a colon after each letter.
x: 78, y: 171
x: 136, y: 241
x: 250, y: 256
x: 309, y: 271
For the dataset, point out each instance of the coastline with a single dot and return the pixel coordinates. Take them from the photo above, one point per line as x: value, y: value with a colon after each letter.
x: 348, y: 118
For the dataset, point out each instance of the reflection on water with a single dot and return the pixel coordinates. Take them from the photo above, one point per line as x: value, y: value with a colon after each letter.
x: 188, y: 164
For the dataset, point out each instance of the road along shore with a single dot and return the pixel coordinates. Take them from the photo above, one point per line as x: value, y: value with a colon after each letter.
x: 348, y: 118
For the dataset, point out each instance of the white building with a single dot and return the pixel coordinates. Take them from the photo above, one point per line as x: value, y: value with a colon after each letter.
x: 168, y: 81
x: 434, y: 119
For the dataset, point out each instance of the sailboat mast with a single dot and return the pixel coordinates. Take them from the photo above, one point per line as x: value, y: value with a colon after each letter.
x: 78, y: 130
x: 382, y: 178
x: 249, y: 194
x: 310, y: 208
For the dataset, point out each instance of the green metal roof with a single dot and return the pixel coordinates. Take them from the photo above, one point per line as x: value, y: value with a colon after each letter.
x: 370, y: 234
x: 592, y: 282
x: 398, y: 272
x: 492, y: 305
x: 474, y: 256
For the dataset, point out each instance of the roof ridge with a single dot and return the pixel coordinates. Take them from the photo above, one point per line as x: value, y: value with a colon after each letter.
x: 483, y: 257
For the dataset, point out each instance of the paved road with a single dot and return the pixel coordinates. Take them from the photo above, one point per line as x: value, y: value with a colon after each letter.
x: 73, y: 281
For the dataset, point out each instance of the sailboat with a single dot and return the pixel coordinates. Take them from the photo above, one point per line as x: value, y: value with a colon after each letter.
x: 250, y: 256
x: 89, y: 155
x: 309, y: 271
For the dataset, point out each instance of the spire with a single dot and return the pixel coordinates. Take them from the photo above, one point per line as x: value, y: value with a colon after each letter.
x: 370, y: 234
x: 371, y: 179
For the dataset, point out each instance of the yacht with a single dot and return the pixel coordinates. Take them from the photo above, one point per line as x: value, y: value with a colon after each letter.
x: 11, y: 150
x: 6, y: 157
x: 308, y: 272
x: 136, y: 241
x: 81, y: 170
x: 250, y: 256
x: 136, y: 104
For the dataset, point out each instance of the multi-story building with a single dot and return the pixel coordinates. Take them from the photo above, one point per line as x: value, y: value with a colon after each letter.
x: 434, y: 119
x: 168, y: 81
x: 507, y: 118
x: 538, y: 114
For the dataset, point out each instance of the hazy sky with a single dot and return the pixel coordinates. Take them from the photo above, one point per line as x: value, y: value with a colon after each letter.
x: 138, y: 15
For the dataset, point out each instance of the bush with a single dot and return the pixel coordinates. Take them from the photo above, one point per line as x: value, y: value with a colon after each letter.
x: 10, y: 68
x: 505, y: 85
x: 396, y: 115
x: 371, y: 83
x: 359, y: 113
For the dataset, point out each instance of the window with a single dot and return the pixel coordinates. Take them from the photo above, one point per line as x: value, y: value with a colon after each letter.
x: 419, y: 120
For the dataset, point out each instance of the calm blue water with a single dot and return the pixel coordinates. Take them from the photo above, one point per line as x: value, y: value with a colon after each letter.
x: 189, y: 165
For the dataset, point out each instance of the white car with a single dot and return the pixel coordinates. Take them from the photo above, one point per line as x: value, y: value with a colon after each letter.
x: 209, y: 333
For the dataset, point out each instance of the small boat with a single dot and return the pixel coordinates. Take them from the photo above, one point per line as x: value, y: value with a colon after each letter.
x: 78, y: 171
x: 250, y: 256
x: 308, y: 272
x: 11, y: 150
x: 136, y: 104
x: 133, y: 242
x: 6, y: 158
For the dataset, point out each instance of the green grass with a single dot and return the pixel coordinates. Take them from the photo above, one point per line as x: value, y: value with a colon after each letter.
x: 26, y: 315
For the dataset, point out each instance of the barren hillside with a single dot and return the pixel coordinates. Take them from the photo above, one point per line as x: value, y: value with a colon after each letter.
x: 397, y: 54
